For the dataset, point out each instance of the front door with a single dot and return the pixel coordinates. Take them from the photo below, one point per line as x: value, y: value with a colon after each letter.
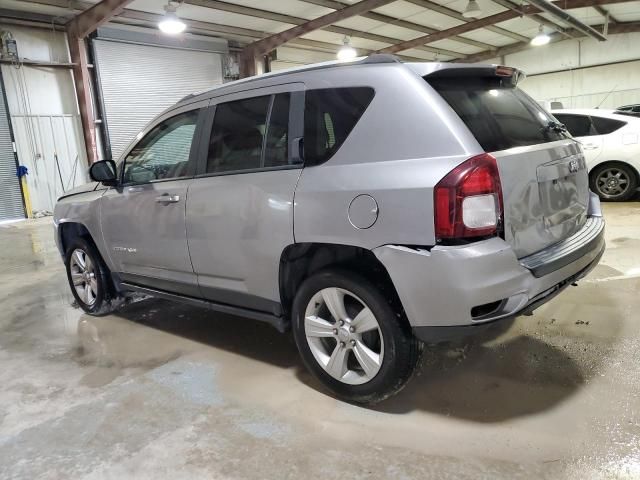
x: 143, y: 220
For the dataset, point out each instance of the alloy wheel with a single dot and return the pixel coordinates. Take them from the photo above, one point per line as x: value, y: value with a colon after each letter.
x: 83, y: 276
x: 612, y: 182
x: 344, y: 336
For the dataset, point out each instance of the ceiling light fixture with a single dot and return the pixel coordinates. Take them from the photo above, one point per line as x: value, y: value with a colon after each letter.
x: 473, y: 10
x: 541, y: 38
x: 170, y: 23
x: 346, y: 52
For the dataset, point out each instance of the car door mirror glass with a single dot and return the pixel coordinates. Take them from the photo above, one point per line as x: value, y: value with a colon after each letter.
x: 104, y: 171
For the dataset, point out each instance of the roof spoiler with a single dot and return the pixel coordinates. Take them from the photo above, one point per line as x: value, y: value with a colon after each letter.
x: 509, y: 76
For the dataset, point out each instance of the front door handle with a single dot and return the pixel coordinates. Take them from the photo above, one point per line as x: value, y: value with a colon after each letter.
x: 590, y: 146
x: 166, y: 198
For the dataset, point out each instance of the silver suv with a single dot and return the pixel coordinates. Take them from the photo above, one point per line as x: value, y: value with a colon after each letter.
x: 369, y: 206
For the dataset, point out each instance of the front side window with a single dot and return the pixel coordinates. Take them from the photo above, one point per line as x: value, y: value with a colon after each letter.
x: 329, y: 116
x: 578, y: 125
x: 604, y: 126
x: 163, y: 152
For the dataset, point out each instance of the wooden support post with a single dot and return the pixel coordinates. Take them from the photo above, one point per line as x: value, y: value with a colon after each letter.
x: 78, y: 52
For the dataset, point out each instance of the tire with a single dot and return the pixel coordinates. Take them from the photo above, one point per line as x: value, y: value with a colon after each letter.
x: 101, y: 298
x: 616, y: 173
x: 391, y: 355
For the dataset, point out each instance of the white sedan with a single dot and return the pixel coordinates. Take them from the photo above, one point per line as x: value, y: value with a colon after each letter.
x: 611, y: 145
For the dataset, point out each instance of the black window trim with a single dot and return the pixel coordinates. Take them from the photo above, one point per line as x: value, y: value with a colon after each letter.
x: 207, y: 130
x: 191, y: 162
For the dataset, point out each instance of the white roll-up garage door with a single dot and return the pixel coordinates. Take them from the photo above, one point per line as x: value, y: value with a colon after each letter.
x: 139, y: 81
x: 11, y: 205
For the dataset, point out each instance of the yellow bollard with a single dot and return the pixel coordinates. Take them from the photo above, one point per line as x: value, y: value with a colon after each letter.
x: 27, y: 198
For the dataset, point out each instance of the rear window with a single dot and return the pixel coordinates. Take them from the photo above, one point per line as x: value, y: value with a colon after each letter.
x: 605, y: 126
x: 499, y: 117
x: 329, y: 116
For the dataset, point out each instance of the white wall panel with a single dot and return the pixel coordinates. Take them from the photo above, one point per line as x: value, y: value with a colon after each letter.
x: 44, y: 113
x: 583, y: 73
x: 613, y: 85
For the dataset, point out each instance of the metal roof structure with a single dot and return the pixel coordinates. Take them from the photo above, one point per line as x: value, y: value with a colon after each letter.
x: 413, y: 29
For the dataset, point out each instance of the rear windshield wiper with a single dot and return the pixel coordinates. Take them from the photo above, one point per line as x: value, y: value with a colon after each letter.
x: 555, y: 126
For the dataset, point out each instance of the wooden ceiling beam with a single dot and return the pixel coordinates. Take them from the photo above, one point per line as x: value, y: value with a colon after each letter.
x: 625, y: 27
x: 490, y: 20
x: 398, y: 22
x: 449, y: 12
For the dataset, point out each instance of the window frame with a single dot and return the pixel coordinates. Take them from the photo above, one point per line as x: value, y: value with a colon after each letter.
x: 200, y: 107
x: 295, y: 128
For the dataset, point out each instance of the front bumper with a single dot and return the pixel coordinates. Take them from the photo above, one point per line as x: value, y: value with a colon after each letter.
x: 440, y: 287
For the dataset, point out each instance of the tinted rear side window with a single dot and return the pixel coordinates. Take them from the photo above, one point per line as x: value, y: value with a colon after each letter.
x: 499, y: 117
x: 578, y: 125
x: 277, y: 138
x: 329, y: 116
x: 237, y: 135
x: 606, y: 125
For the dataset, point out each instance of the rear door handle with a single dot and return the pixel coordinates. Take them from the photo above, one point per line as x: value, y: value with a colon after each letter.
x: 590, y: 146
x: 166, y: 198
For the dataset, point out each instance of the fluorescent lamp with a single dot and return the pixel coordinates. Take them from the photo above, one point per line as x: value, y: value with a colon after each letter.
x: 473, y: 10
x: 346, y: 52
x: 170, y: 23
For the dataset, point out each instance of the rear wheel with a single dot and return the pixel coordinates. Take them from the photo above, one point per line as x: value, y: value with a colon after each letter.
x: 615, y: 182
x: 89, y: 278
x: 351, y: 339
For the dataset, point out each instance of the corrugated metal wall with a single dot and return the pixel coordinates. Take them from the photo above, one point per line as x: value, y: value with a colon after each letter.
x: 11, y: 205
x: 140, y: 81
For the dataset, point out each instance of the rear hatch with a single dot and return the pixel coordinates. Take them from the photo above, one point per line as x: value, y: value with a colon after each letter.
x: 542, y: 169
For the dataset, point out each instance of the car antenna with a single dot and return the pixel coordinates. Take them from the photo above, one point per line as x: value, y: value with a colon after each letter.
x: 607, y: 95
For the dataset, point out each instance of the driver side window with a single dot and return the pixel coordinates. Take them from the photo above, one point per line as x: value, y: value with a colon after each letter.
x: 163, y: 152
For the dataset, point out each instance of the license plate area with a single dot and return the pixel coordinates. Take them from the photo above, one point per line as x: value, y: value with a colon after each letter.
x: 563, y: 187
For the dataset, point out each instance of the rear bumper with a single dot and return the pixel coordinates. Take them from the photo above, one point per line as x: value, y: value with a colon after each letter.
x: 440, y: 287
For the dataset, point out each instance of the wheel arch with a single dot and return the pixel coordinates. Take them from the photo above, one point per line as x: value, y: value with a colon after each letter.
x: 299, y: 261
x: 69, y: 231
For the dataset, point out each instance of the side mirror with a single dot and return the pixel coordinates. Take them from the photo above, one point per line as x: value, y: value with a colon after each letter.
x: 104, y: 171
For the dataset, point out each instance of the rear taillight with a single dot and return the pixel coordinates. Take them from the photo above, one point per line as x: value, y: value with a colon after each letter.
x: 468, y: 200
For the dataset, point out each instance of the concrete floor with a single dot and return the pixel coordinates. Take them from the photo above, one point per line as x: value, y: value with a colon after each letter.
x: 162, y: 390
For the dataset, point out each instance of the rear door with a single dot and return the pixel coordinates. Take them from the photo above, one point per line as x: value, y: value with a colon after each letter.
x: 583, y: 129
x: 542, y: 170
x: 240, y: 207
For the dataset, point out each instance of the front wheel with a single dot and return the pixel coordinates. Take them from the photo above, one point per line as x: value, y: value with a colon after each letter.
x: 615, y: 182
x: 89, y: 278
x: 351, y: 339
